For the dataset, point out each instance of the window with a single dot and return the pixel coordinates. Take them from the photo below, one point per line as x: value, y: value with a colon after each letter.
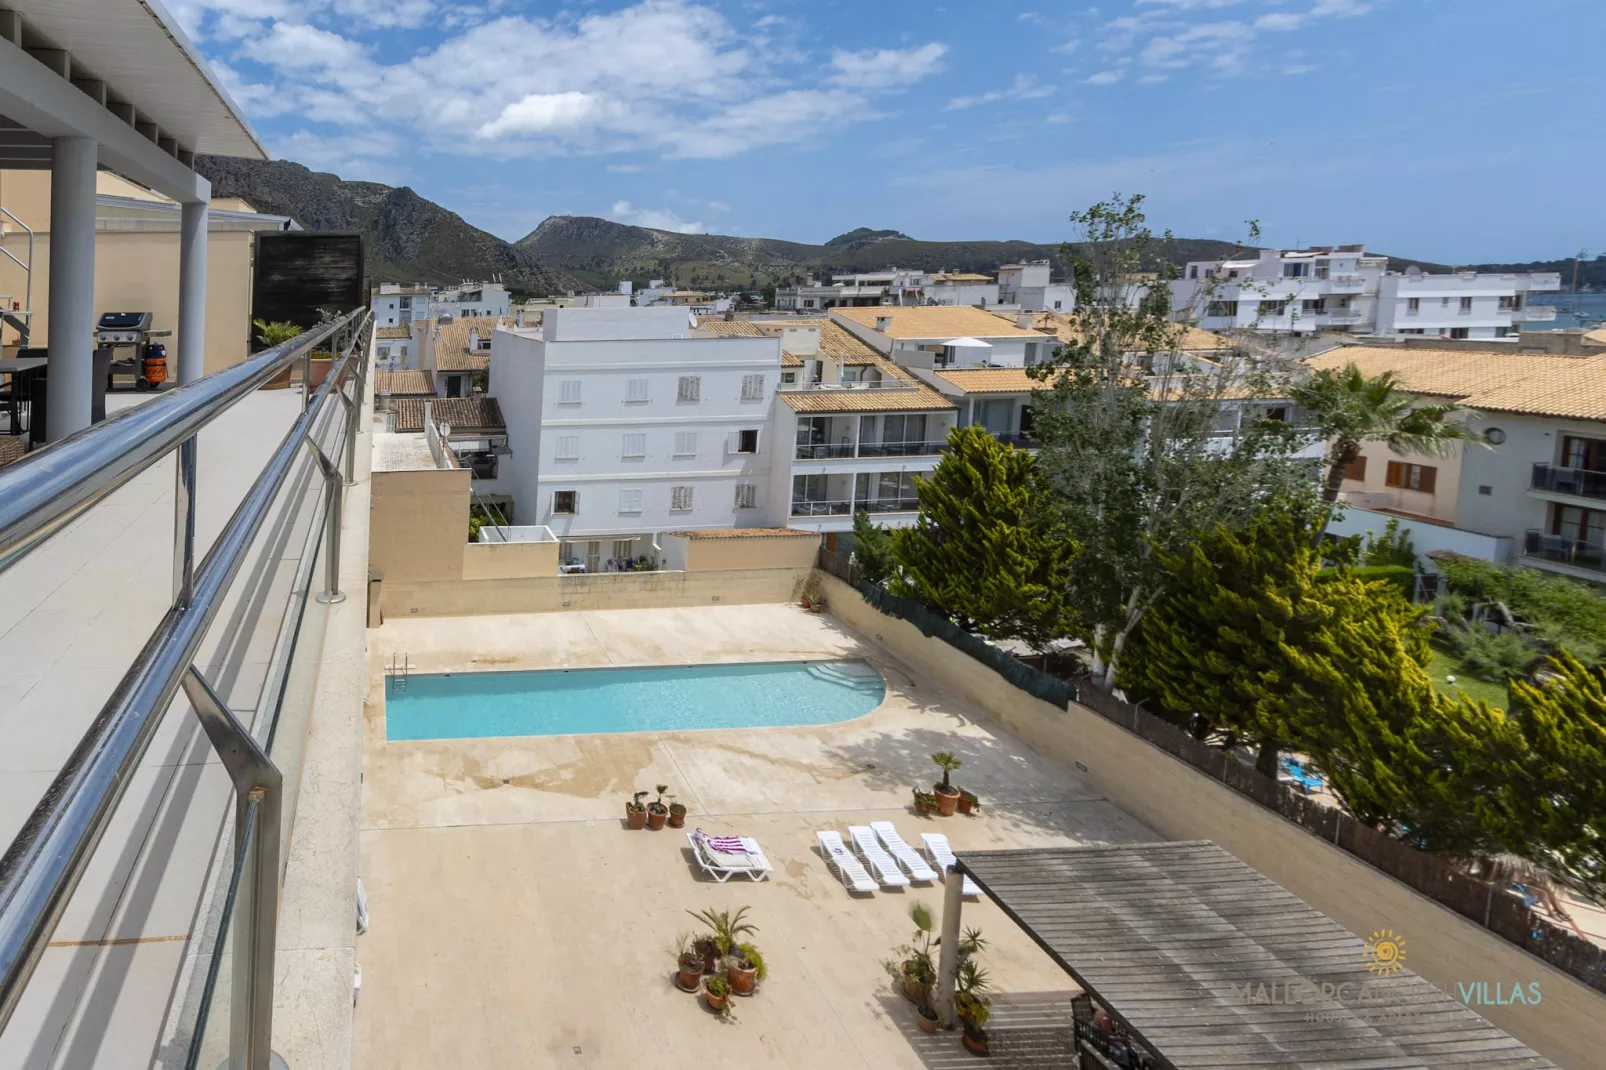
x: 1273, y: 308
x: 680, y: 499
x: 568, y: 448
x: 1413, y: 330
x: 1586, y: 453
x: 1444, y: 302
x: 1413, y: 305
x: 1418, y: 477
x: 789, y: 378
x: 1584, y: 525
x: 745, y: 441
x: 565, y: 502
x: 1058, y: 305
x: 1485, y: 490
x: 1508, y: 303
x: 1466, y: 305
x: 483, y: 343
x: 1356, y: 470
x: 685, y: 443
x: 569, y: 392
x: 1278, y: 413
x: 1222, y: 308
x: 636, y: 390
x: 635, y: 446
x: 624, y: 549
x: 1315, y: 307
x: 1458, y: 332
x: 747, y: 495
x: 1321, y: 269
x: 752, y: 388
x: 690, y: 388
x: 1502, y: 332
x: 1295, y: 271
x: 630, y: 501
x: 1193, y: 273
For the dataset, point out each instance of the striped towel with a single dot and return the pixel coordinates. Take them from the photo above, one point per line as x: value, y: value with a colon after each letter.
x: 722, y: 844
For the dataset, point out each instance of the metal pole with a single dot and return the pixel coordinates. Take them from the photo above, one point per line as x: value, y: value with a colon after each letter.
x: 306, y: 379
x: 336, y: 485
x: 953, y: 901
x: 353, y: 410
x: 184, y: 523
x: 72, y: 286
x: 192, y: 291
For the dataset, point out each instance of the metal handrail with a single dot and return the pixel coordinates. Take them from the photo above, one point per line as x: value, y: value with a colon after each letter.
x: 44, y: 863
x: 48, y: 488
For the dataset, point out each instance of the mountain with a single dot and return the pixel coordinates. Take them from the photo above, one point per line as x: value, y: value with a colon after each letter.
x: 409, y: 238
x: 1591, y: 273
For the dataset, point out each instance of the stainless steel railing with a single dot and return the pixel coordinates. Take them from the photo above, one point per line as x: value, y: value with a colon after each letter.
x: 41, y: 494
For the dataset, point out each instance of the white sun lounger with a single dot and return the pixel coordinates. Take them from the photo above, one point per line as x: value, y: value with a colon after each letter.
x: 722, y: 866
x: 942, y: 856
x: 907, y: 856
x: 886, y: 870
x: 849, y: 868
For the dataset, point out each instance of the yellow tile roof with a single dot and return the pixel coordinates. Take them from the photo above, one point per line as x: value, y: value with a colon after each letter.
x: 479, y: 413
x: 451, y: 347
x: 937, y: 321
x: 747, y: 533
x: 731, y: 328
x: 1192, y: 339
x: 992, y: 380
x: 960, y: 276
x: 1542, y: 384
x: 393, y: 332
x: 920, y: 398
x: 404, y: 381
x: 1596, y: 337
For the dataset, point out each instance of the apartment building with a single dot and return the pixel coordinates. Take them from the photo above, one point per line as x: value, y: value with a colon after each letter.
x: 624, y: 423
x: 936, y: 337
x: 894, y: 286
x: 1534, y: 491
x: 1027, y: 287
x: 960, y: 288
x: 1345, y: 289
x: 395, y: 305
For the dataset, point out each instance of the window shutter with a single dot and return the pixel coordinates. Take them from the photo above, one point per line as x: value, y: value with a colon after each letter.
x: 635, y: 445
x: 1429, y: 479
x: 1394, y: 478
x: 568, y: 447
x: 569, y: 392
x: 636, y: 390
x: 1357, y: 470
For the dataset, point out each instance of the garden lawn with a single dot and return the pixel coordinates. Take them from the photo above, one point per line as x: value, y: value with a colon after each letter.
x: 1444, y: 665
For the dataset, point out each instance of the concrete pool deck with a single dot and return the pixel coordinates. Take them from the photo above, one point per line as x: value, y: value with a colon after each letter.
x: 515, y: 922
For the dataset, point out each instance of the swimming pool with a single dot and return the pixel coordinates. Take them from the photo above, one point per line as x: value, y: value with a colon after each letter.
x: 558, y: 702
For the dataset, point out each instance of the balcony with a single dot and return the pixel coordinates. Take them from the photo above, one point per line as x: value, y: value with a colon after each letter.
x: 824, y: 451
x: 1348, y: 284
x: 833, y: 507
x: 1533, y: 314
x: 1578, y: 482
x: 1344, y: 315
x: 846, y: 506
x: 901, y: 449
x: 1017, y: 439
x: 1561, y: 550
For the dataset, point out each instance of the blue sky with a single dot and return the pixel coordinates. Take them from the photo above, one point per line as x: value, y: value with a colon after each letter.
x: 1451, y: 130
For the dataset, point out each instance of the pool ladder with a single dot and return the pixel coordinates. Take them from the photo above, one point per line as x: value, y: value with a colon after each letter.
x: 399, y: 671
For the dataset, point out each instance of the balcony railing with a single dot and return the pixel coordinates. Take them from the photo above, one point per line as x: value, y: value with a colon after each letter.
x: 1561, y: 550
x: 836, y: 507
x: 1344, y: 315
x: 845, y: 507
x: 823, y: 451
x: 1018, y: 440
x: 1533, y: 314
x: 888, y: 505
x: 1579, y: 482
x: 837, y: 451
x: 1348, y: 283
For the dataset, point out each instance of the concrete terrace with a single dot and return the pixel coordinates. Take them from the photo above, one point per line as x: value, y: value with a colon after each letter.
x: 515, y: 922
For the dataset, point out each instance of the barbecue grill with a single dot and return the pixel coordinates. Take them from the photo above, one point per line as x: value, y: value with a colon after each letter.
x: 145, y: 366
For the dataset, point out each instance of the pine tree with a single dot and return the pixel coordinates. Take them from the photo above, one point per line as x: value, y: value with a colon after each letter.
x: 983, y: 549
x: 872, y: 550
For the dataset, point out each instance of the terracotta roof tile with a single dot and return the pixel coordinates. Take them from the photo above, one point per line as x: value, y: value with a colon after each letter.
x: 936, y: 321
x: 747, y: 533
x: 393, y: 332
x: 451, y: 346
x: 1192, y: 339
x: 918, y: 399
x: 404, y: 381
x: 1542, y: 384
x: 480, y: 413
x: 731, y: 328
x: 991, y: 380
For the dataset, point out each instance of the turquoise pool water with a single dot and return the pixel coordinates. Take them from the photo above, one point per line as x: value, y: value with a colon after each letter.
x: 561, y: 702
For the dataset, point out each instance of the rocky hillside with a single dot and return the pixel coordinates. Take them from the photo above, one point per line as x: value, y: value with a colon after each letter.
x: 409, y: 238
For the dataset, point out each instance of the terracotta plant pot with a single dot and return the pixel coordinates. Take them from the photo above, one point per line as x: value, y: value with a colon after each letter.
x: 677, y: 817
x: 742, y: 980
x: 964, y: 803
x: 975, y: 1043
x: 710, y: 954
x: 637, y: 818
x: 690, y: 977
x: 911, y: 990
x: 947, y: 800
x: 656, y: 816
x: 715, y: 1003
x: 927, y: 1024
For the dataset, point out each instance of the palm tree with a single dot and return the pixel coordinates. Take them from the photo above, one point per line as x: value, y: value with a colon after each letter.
x: 1353, y: 409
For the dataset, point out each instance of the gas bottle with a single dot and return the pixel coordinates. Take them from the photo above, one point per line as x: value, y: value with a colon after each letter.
x: 153, y: 369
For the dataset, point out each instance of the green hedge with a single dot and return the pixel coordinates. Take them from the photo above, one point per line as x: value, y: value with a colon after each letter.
x: 1402, y: 577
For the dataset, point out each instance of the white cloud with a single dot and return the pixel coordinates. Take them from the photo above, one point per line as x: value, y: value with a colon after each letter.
x: 1104, y: 78
x: 1068, y: 47
x: 1218, y: 46
x: 367, y: 157
x: 657, y: 219
x: 1153, y: 79
x: 624, y: 168
x: 880, y: 68
x: 1024, y: 87
x: 548, y: 113
x: 719, y: 206
x: 1299, y: 68
x: 1280, y: 21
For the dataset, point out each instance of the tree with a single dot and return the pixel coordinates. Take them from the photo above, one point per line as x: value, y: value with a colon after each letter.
x: 872, y: 550
x: 1138, y: 463
x: 1352, y: 409
x: 984, y: 549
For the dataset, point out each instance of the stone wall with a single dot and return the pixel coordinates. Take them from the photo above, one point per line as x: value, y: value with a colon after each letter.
x: 1568, y: 1026
x: 602, y: 590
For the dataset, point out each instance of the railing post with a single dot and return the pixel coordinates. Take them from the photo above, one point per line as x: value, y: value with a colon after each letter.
x: 353, y: 410
x: 184, y: 523
x: 336, y: 486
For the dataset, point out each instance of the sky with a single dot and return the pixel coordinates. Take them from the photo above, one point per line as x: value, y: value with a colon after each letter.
x: 1454, y: 131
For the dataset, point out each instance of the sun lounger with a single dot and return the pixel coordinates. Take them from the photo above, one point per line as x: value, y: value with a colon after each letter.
x: 849, y: 868
x: 723, y: 865
x: 907, y: 856
x: 886, y: 870
x: 942, y: 856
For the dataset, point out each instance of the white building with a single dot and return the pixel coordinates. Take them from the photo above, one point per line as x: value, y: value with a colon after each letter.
x: 869, y: 289
x: 624, y: 423
x: 960, y: 288
x: 395, y: 305
x: 1464, y: 304
x: 1027, y: 287
x: 938, y: 337
x: 1345, y: 289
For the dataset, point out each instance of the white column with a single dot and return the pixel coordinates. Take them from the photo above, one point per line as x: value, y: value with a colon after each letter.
x: 953, y: 903
x: 72, y: 285
x: 192, y: 292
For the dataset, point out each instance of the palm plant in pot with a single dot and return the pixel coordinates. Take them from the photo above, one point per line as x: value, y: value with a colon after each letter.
x: 746, y: 969
x: 913, y: 966
x: 657, y: 812
x: 947, y: 794
x: 636, y: 811
x: 972, y: 1005
x: 724, y: 928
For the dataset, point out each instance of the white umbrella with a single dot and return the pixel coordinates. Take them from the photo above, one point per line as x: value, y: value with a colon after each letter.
x: 968, y: 342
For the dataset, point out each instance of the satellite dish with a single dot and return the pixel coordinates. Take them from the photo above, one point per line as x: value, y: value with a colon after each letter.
x: 446, y: 429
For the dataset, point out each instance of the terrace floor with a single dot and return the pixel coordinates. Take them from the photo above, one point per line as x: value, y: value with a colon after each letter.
x: 516, y: 922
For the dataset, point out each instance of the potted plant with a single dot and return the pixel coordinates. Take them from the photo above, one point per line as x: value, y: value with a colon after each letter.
x: 968, y: 801
x: 925, y: 803
x: 677, y: 815
x: 657, y: 812
x: 717, y: 991
x: 746, y: 969
x: 724, y: 928
x: 808, y: 593
x: 947, y: 794
x: 913, y: 966
x: 636, y: 811
x: 690, y: 963
x: 707, y: 952
x: 972, y: 1005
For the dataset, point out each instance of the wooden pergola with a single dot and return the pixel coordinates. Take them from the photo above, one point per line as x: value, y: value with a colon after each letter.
x: 1210, y: 966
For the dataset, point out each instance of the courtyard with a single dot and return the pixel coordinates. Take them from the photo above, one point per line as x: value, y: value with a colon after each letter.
x: 516, y: 922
